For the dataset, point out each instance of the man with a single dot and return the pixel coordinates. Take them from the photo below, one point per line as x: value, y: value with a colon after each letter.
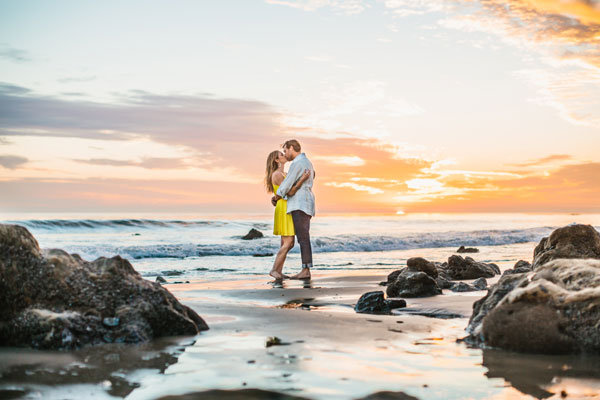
x: 302, y: 204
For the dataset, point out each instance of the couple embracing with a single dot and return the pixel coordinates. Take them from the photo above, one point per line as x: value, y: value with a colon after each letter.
x: 294, y: 205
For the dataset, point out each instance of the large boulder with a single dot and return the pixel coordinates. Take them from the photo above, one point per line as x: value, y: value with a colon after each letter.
x: 411, y: 283
x: 421, y: 264
x: 553, y: 309
x: 572, y: 241
x: 56, y: 300
x: 466, y: 268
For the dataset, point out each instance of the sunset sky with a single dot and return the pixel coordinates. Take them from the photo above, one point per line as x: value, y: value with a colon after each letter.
x: 402, y: 105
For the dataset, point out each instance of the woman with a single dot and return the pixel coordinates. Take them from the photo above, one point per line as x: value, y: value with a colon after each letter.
x: 282, y: 225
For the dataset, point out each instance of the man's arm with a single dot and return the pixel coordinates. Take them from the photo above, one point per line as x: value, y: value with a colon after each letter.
x: 293, y: 175
x: 297, y: 185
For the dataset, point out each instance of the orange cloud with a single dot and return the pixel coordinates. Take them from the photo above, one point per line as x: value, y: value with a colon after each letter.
x: 570, y: 188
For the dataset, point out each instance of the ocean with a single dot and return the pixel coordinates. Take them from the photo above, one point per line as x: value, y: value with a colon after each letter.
x: 189, y: 247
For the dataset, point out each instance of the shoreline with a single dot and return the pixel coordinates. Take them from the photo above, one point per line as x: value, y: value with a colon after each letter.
x: 328, y: 350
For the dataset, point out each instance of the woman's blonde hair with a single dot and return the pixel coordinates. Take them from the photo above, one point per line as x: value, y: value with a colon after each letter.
x: 272, y: 166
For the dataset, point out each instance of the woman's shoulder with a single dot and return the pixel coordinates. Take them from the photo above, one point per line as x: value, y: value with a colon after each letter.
x: 277, y: 177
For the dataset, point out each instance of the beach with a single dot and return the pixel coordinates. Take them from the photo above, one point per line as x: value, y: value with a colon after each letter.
x: 323, y: 348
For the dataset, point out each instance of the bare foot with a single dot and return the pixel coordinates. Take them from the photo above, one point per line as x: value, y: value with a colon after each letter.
x: 277, y: 275
x: 304, y: 274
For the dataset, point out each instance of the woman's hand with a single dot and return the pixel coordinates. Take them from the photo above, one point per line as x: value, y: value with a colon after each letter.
x: 305, y: 176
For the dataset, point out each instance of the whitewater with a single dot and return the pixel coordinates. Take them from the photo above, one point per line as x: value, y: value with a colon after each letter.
x: 184, y: 247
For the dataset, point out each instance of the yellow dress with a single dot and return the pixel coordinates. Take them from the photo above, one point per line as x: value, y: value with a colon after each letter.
x: 283, y: 224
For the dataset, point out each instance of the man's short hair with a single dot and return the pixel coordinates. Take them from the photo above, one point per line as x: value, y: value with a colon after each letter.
x: 294, y: 144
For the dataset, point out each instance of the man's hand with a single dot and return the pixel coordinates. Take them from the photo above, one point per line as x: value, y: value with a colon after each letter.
x: 274, y: 200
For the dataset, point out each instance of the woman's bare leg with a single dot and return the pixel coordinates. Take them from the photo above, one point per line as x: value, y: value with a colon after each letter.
x: 287, y: 242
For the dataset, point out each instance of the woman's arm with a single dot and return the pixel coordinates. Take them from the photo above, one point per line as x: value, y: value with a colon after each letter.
x: 297, y: 185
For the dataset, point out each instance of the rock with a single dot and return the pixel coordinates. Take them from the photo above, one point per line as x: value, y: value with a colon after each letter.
x: 386, y: 395
x: 462, y: 287
x: 443, y: 283
x: 160, y: 279
x: 413, y: 284
x: 522, y: 264
x: 463, y: 249
x: 391, y: 278
x: 54, y: 300
x: 553, y: 309
x: 480, y: 284
x: 262, y: 255
x: 495, y: 294
x: 505, y: 325
x: 421, y: 264
x: 519, y: 268
x: 572, y: 241
x: 253, y: 234
x: 275, y: 341
x: 171, y: 272
x: 394, y: 303
x: 375, y: 303
x: 370, y: 303
x: 466, y: 268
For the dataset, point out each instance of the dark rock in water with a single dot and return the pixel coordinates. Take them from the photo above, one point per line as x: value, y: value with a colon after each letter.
x: 171, y: 272
x: 520, y: 267
x: 443, y: 283
x: 480, y: 284
x: 394, y: 275
x: 391, y: 304
x: 54, y: 300
x: 389, y: 396
x: 413, y: 284
x: 462, y: 287
x: 370, y: 302
x: 522, y: 264
x: 160, y: 279
x: 466, y: 268
x: 240, y: 394
x: 253, y: 234
x: 275, y: 341
x: 375, y: 303
x: 262, y: 255
x: 572, y: 241
x: 463, y: 249
x: 552, y: 309
x: 421, y: 264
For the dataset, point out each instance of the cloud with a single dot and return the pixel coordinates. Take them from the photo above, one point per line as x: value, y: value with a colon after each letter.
x: 77, y: 79
x: 147, y: 162
x: 12, y: 162
x: 545, y: 160
x: 349, y: 7
x: 355, y: 186
x: 569, y: 188
x: 13, y: 54
x: 224, y: 128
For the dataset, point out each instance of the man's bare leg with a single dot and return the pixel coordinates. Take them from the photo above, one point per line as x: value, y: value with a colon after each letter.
x: 304, y: 274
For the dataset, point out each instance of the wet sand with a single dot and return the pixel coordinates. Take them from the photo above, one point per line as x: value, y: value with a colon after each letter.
x: 327, y: 352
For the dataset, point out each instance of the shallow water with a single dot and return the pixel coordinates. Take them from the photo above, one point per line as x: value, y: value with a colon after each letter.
x: 232, y: 354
